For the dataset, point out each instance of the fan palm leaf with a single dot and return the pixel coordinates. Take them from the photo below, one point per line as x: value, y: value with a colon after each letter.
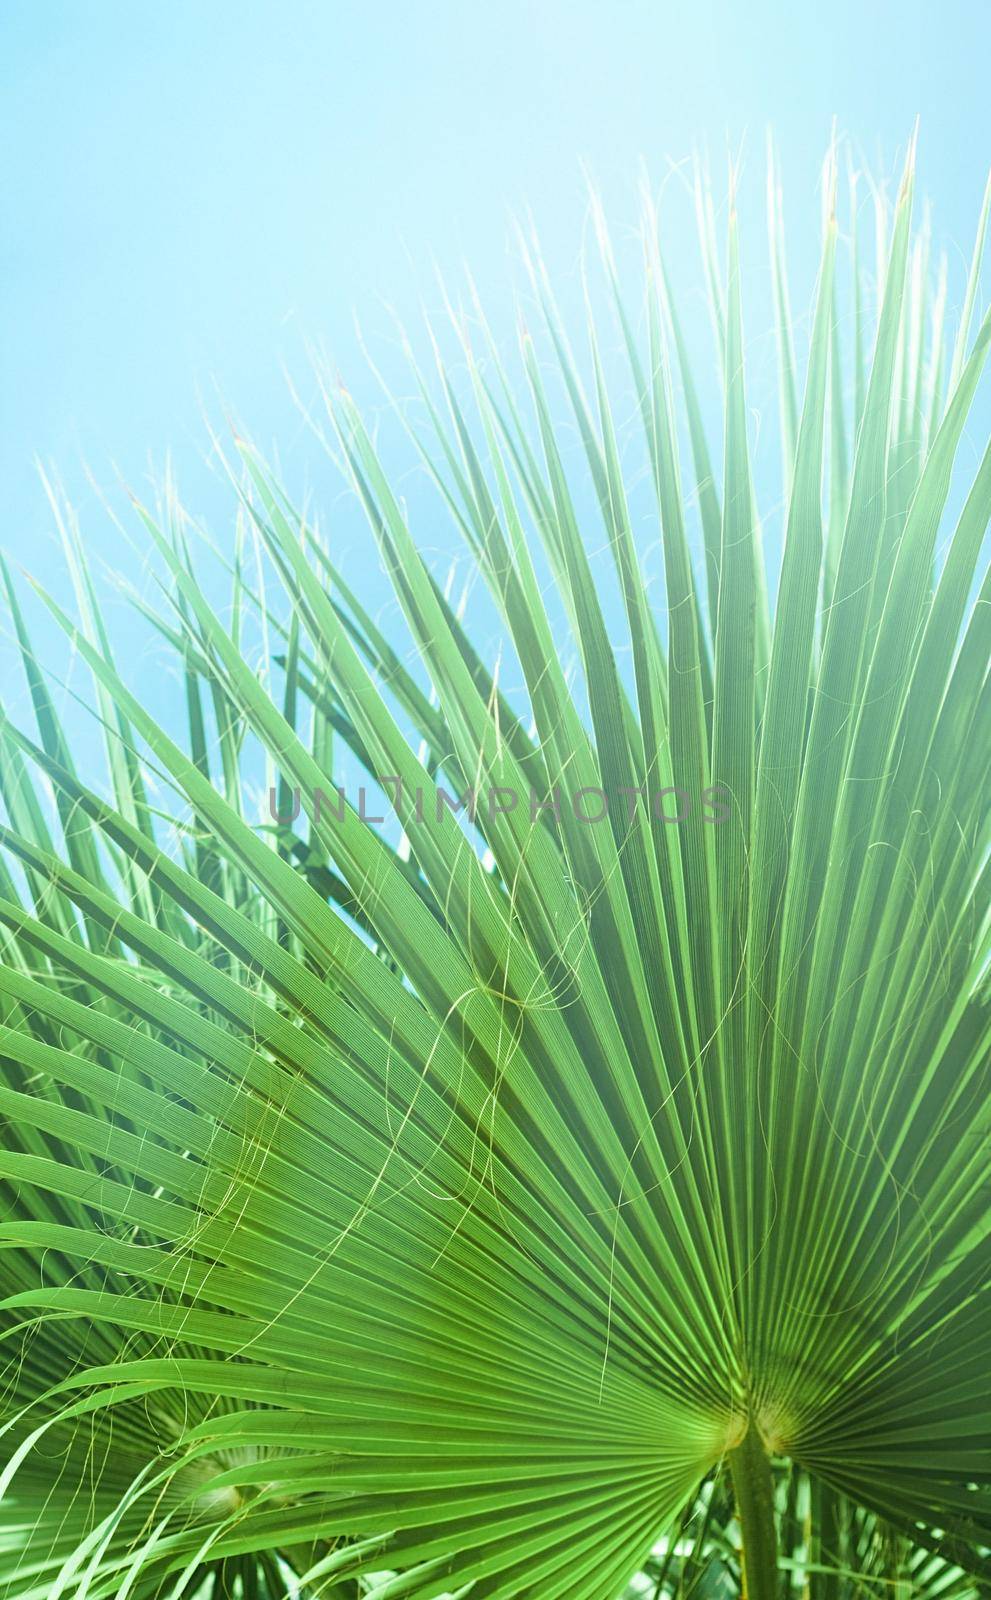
x: 434, y: 1218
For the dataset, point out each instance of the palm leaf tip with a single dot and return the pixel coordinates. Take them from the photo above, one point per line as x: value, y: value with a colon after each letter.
x: 509, y: 1204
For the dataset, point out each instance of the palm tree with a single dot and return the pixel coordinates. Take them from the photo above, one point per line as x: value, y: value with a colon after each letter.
x: 586, y: 1182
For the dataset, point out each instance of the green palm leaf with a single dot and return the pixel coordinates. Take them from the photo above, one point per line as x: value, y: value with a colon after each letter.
x: 442, y: 1218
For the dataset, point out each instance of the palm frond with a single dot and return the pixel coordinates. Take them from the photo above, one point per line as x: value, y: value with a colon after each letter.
x: 568, y: 1195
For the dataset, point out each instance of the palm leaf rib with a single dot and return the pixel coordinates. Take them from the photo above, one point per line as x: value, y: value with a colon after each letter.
x: 542, y: 1205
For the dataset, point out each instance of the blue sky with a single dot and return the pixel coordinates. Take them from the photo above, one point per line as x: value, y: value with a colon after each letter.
x: 195, y: 191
